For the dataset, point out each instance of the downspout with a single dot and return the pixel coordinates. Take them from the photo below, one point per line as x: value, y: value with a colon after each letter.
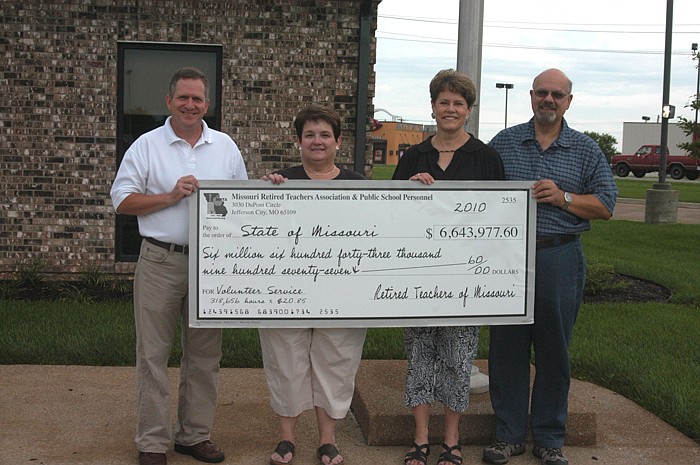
x: 363, y: 85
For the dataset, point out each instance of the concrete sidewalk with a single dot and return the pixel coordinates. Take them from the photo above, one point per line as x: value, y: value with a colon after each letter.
x: 56, y: 415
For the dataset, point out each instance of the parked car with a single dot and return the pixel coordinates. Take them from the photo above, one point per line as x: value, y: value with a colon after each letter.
x: 646, y: 160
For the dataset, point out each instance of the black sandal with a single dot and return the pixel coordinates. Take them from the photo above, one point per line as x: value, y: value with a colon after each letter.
x: 283, y: 448
x: 419, y: 453
x: 448, y: 456
x: 328, y: 450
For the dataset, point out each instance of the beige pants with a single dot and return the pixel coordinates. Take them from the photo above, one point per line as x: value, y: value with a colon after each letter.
x: 307, y: 368
x: 160, y: 301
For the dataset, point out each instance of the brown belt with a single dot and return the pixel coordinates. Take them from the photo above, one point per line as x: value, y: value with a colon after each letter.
x: 546, y: 242
x: 168, y: 246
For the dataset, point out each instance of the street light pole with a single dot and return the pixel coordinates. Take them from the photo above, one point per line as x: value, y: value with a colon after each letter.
x: 661, y: 200
x: 506, y: 86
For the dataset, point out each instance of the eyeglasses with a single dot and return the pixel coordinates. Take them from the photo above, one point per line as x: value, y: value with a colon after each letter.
x: 556, y: 95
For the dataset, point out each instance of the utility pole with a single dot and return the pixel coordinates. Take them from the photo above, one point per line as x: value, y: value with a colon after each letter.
x: 470, y: 39
x: 696, y: 56
x: 661, y: 201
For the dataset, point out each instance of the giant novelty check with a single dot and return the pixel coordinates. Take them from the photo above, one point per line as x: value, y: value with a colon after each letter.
x: 361, y: 254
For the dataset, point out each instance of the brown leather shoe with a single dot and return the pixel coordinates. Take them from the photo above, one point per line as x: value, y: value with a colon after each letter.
x: 205, y: 451
x: 152, y: 458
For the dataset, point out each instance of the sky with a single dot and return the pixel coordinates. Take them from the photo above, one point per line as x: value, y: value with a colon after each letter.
x: 612, y: 50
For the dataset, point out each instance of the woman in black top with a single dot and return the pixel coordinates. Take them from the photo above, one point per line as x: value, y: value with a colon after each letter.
x: 440, y: 358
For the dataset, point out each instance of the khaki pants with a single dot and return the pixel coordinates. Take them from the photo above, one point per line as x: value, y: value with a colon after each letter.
x: 307, y: 368
x: 160, y: 301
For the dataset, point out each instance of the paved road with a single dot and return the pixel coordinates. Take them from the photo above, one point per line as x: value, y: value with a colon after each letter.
x: 633, y: 210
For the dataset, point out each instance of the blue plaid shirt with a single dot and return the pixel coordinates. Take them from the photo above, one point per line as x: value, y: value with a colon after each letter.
x: 573, y: 161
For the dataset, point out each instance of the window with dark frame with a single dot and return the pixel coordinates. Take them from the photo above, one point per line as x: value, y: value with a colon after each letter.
x: 144, y: 70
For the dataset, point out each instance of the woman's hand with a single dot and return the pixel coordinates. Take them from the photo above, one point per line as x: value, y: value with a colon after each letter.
x: 274, y: 177
x: 425, y: 178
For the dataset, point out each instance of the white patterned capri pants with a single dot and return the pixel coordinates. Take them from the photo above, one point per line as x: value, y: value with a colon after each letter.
x: 439, y: 365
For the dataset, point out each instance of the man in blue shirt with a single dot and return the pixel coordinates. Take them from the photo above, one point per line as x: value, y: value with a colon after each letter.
x: 572, y: 185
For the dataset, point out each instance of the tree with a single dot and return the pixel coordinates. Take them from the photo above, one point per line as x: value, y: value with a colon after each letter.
x: 690, y: 127
x: 606, y: 142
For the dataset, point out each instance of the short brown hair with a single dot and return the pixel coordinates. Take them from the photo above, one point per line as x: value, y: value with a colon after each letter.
x: 454, y: 81
x: 188, y: 72
x: 317, y: 113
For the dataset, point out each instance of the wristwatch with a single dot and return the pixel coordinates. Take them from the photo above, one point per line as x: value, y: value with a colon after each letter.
x: 567, y: 199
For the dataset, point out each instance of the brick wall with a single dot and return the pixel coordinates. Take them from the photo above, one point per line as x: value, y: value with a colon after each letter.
x: 58, y: 104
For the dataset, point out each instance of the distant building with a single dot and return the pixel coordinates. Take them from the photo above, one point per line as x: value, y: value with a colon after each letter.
x: 390, y: 139
x: 635, y: 134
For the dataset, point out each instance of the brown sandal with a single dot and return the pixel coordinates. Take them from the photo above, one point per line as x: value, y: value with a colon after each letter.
x: 283, y: 448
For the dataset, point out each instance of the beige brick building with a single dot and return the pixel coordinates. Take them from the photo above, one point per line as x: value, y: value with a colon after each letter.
x: 66, y: 105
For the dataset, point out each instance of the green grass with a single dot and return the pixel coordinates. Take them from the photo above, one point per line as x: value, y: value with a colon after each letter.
x: 646, y: 352
x: 666, y: 254
x: 382, y: 172
x: 67, y: 333
x: 637, y: 189
x: 628, y: 188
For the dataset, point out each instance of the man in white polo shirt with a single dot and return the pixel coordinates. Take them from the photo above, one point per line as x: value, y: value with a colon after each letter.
x: 159, y: 172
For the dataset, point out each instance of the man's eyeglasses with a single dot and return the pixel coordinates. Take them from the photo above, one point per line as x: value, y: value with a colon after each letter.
x: 556, y: 95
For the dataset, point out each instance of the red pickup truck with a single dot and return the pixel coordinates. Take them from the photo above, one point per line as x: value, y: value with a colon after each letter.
x: 646, y: 160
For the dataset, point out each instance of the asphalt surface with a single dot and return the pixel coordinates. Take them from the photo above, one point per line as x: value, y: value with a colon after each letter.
x: 634, y: 210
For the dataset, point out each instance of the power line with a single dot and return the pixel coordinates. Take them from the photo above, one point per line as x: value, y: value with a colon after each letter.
x: 419, y: 20
x: 596, y: 31
x: 534, y: 25
x: 430, y: 40
x: 558, y: 23
x: 414, y: 38
x: 589, y: 50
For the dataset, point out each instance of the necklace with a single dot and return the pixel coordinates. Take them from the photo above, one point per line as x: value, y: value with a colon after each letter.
x: 445, y: 150
x: 309, y: 173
